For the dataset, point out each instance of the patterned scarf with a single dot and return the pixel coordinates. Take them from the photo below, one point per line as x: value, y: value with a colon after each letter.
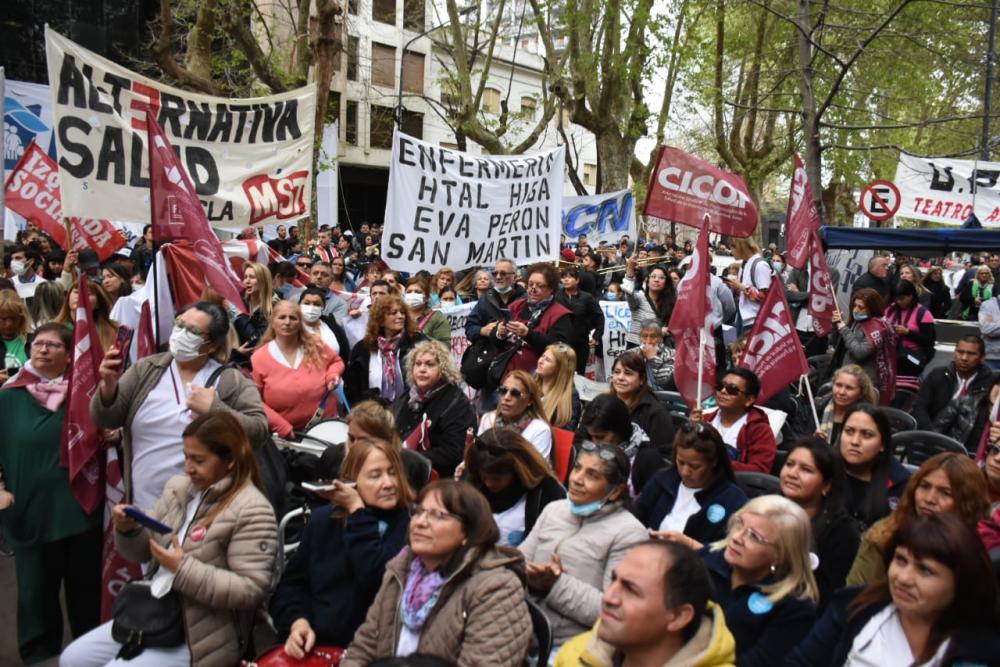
x: 520, y: 424
x: 826, y: 422
x: 420, y: 594
x: 390, y: 356
x: 419, y: 399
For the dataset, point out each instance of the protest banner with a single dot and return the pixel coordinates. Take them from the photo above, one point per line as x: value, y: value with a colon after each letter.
x: 605, y: 217
x: 617, y: 320
x: 850, y: 265
x: 773, y: 350
x: 27, y: 118
x: 947, y: 191
x: 803, y: 218
x: 684, y: 189
x: 457, y: 318
x: 32, y: 191
x: 451, y: 209
x: 250, y: 159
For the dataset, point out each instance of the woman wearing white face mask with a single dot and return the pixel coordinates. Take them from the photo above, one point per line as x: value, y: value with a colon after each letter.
x: 311, y: 302
x: 431, y: 323
x: 154, y: 400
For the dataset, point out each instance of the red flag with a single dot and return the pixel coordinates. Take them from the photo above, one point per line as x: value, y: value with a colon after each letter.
x: 116, y: 571
x: 773, y: 349
x: 146, y: 341
x: 821, y: 299
x: 80, y: 443
x: 684, y: 188
x: 176, y: 213
x: 803, y: 217
x: 691, y: 326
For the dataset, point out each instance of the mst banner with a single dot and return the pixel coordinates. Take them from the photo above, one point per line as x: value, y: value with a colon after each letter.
x: 451, y: 209
x: 605, y: 217
x: 947, y: 191
x: 250, y: 159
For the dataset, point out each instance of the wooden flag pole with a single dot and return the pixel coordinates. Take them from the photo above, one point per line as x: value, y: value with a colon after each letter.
x: 701, y: 365
x: 812, y: 403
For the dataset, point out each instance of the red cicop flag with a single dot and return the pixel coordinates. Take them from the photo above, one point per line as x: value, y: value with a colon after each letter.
x: 81, y: 444
x: 684, y: 189
x: 176, y: 214
x: 803, y: 218
x: 691, y: 327
x: 821, y: 303
x: 773, y: 349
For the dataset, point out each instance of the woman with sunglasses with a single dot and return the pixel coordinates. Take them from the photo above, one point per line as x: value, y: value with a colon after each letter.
x: 606, y: 420
x: 744, y: 427
x: 630, y: 383
x: 936, y: 607
x: 690, y: 501
x: 554, y: 373
x: 762, y: 578
x: 577, y: 543
x: 452, y: 593
x: 946, y: 483
x: 514, y: 478
x: 521, y: 408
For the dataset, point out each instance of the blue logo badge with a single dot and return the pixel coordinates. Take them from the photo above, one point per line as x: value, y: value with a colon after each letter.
x: 515, y: 537
x: 716, y: 513
x: 759, y: 604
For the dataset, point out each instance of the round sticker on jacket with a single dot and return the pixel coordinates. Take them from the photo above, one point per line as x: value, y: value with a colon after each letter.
x: 759, y: 604
x: 716, y: 513
x: 198, y: 533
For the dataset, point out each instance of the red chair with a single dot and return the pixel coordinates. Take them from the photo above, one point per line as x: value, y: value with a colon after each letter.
x: 562, y: 453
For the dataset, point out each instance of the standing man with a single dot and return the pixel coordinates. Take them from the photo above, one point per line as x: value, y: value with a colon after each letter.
x: 324, y: 251
x: 26, y: 265
x: 877, y: 278
x: 280, y: 245
x: 321, y: 276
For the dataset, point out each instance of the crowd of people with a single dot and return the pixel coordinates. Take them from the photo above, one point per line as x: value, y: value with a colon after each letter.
x: 475, y: 499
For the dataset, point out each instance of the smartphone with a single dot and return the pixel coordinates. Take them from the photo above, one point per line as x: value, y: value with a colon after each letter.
x: 149, y: 522
x: 506, y: 315
x: 325, y: 484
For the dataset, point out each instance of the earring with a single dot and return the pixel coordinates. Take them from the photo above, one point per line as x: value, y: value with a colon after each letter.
x: 773, y: 569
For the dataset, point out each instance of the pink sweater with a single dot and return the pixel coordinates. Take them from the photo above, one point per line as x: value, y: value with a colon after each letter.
x: 291, y: 396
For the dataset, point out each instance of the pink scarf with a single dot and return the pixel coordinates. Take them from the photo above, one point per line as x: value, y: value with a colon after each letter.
x: 390, y: 353
x: 49, y: 394
x: 882, y: 339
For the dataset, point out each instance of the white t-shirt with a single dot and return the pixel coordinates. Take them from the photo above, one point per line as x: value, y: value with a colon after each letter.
x: 729, y: 435
x: 163, y: 580
x: 684, y: 508
x: 761, y: 280
x: 325, y: 335
x: 157, y: 445
x: 882, y: 642
x: 511, y: 523
x: 277, y: 355
x: 26, y: 290
x: 537, y: 432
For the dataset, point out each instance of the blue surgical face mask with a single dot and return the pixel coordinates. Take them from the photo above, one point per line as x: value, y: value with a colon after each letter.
x: 503, y: 290
x: 860, y: 317
x: 283, y: 290
x: 586, y: 509
x: 612, y: 296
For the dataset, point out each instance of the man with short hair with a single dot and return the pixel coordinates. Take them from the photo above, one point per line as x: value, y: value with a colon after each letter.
x: 321, y: 276
x: 744, y: 427
x: 280, y: 244
x: 324, y: 250
x: 965, y: 377
x: 379, y: 289
x: 25, y: 267
x: 489, y: 311
x: 656, y: 612
x: 876, y: 278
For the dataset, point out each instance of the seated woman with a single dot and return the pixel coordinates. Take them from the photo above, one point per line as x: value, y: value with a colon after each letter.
x: 814, y: 479
x: 554, y: 373
x: 630, y: 383
x: 435, y: 415
x: 431, y: 323
x: 219, y: 559
x: 576, y: 543
x: 945, y: 483
x: 875, y: 478
x: 936, y: 607
x: 850, y: 386
x: 375, y: 367
x: 514, y: 478
x: 692, y: 501
x: 867, y: 340
x: 341, y: 279
x: 311, y: 302
x: 762, y: 579
x: 452, y: 593
x: 606, y: 419
x: 332, y: 578
x: 521, y: 408
x: 293, y: 370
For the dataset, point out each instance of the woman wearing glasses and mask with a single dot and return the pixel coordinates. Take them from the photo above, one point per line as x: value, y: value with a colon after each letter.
x: 452, y: 593
x: 154, y: 400
x: 577, y: 543
x: 521, y: 408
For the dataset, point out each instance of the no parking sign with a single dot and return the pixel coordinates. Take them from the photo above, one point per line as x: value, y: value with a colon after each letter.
x: 880, y: 200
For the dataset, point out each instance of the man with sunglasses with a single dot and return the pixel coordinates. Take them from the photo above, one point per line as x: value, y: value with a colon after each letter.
x: 744, y: 427
x: 492, y: 310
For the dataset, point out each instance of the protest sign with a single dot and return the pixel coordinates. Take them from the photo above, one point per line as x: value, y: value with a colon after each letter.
x: 947, y: 191
x: 457, y: 318
x: 451, y: 209
x: 773, y: 350
x: 250, y: 159
x: 850, y: 265
x: 617, y: 320
x: 684, y: 189
x: 605, y: 217
x: 821, y: 303
x: 27, y: 118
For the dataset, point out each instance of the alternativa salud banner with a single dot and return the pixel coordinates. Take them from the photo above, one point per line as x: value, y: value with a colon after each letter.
x: 451, y: 209
x: 250, y: 159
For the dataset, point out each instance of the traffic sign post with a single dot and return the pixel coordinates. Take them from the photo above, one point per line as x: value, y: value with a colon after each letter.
x: 880, y: 200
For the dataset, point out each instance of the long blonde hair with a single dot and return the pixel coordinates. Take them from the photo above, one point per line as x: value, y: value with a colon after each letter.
x: 314, y: 350
x: 792, y: 566
x: 264, y: 288
x: 557, y: 402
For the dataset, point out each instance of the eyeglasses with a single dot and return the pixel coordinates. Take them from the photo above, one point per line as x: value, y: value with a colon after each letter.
x: 184, y: 326
x: 730, y: 389
x: 992, y: 450
x: 502, y: 274
x: 515, y: 393
x: 738, y: 527
x: 304, y: 265
x: 46, y: 345
x: 434, y: 516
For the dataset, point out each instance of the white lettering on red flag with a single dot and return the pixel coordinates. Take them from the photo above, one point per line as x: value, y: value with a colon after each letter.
x: 802, y: 216
x: 773, y: 349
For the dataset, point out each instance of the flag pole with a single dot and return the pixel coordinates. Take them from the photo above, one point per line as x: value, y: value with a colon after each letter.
x: 812, y: 403
x: 701, y: 365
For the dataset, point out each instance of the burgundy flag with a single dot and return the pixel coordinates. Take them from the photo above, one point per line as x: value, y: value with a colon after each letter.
x: 684, y: 189
x: 691, y: 317
x: 146, y: 341
x: 80, y: 443
x: 116, y: 571
x: 803, y: 217
x: 773, y: 349
x: 821, y: 303
x: 177, y: 214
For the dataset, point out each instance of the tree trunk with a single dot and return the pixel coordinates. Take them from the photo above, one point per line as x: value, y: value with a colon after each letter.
x: 325, y: 47
x: 616, y: 154
x: 810, y: 115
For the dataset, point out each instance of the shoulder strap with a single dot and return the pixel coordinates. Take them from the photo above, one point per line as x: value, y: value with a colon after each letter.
x: 753, y: 271
x: 214, y: 377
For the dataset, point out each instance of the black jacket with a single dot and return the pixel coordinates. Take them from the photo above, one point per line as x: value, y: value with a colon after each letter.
x: 837, y: 538
x: 830, y: 640
x: 939, y: 387
x: 451, y: 415
x: 587, y: 316
x: 356, y: 374
x: 940, y: 298
x: 548, y: 490
x: 488, y: 310
x: 654, y: 418
x: 334, y: 575
x: 868, y: 280
x: 719, y: 501
x: 338, y: 333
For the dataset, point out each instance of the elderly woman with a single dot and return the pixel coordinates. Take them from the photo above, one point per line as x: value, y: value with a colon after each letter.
x: 375, y: 367
x: 434, y: 415
x: 851, y: 386
x: 452, y: 593
x: 537, y: 320
x: 659, y: 356
x: 521, y: 408
x: 431, y: 323
x: 976, y: 292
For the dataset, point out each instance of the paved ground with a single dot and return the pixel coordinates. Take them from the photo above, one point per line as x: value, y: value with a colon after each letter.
x: 8, y: 617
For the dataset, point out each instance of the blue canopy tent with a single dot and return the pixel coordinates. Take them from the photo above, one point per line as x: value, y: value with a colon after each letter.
x: 912, y: 241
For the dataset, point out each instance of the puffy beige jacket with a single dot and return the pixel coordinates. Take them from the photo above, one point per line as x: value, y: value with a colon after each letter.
x: 480, y: 619
x: 225, y: 575
x: 589, y: 548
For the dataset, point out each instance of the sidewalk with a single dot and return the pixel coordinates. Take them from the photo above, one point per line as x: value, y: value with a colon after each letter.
x: 8, y: 618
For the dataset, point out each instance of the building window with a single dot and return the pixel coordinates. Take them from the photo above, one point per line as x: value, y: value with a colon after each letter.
x: 352, y: 7
x: 383, y: 65
x: 351, y: 123
x: 384, y: 11
x: 412, y: 124
x: 352, y: 58
x: 491, y: 100
x: 381, y: 127
x: 413, y: 72
x: 413, y: 15
x: 590, y: 174
x: 333, y: 107
x: 528, y: 106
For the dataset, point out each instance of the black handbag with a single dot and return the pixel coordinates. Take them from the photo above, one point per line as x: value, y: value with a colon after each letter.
x: 476, y: 362
x: 142, y: 621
